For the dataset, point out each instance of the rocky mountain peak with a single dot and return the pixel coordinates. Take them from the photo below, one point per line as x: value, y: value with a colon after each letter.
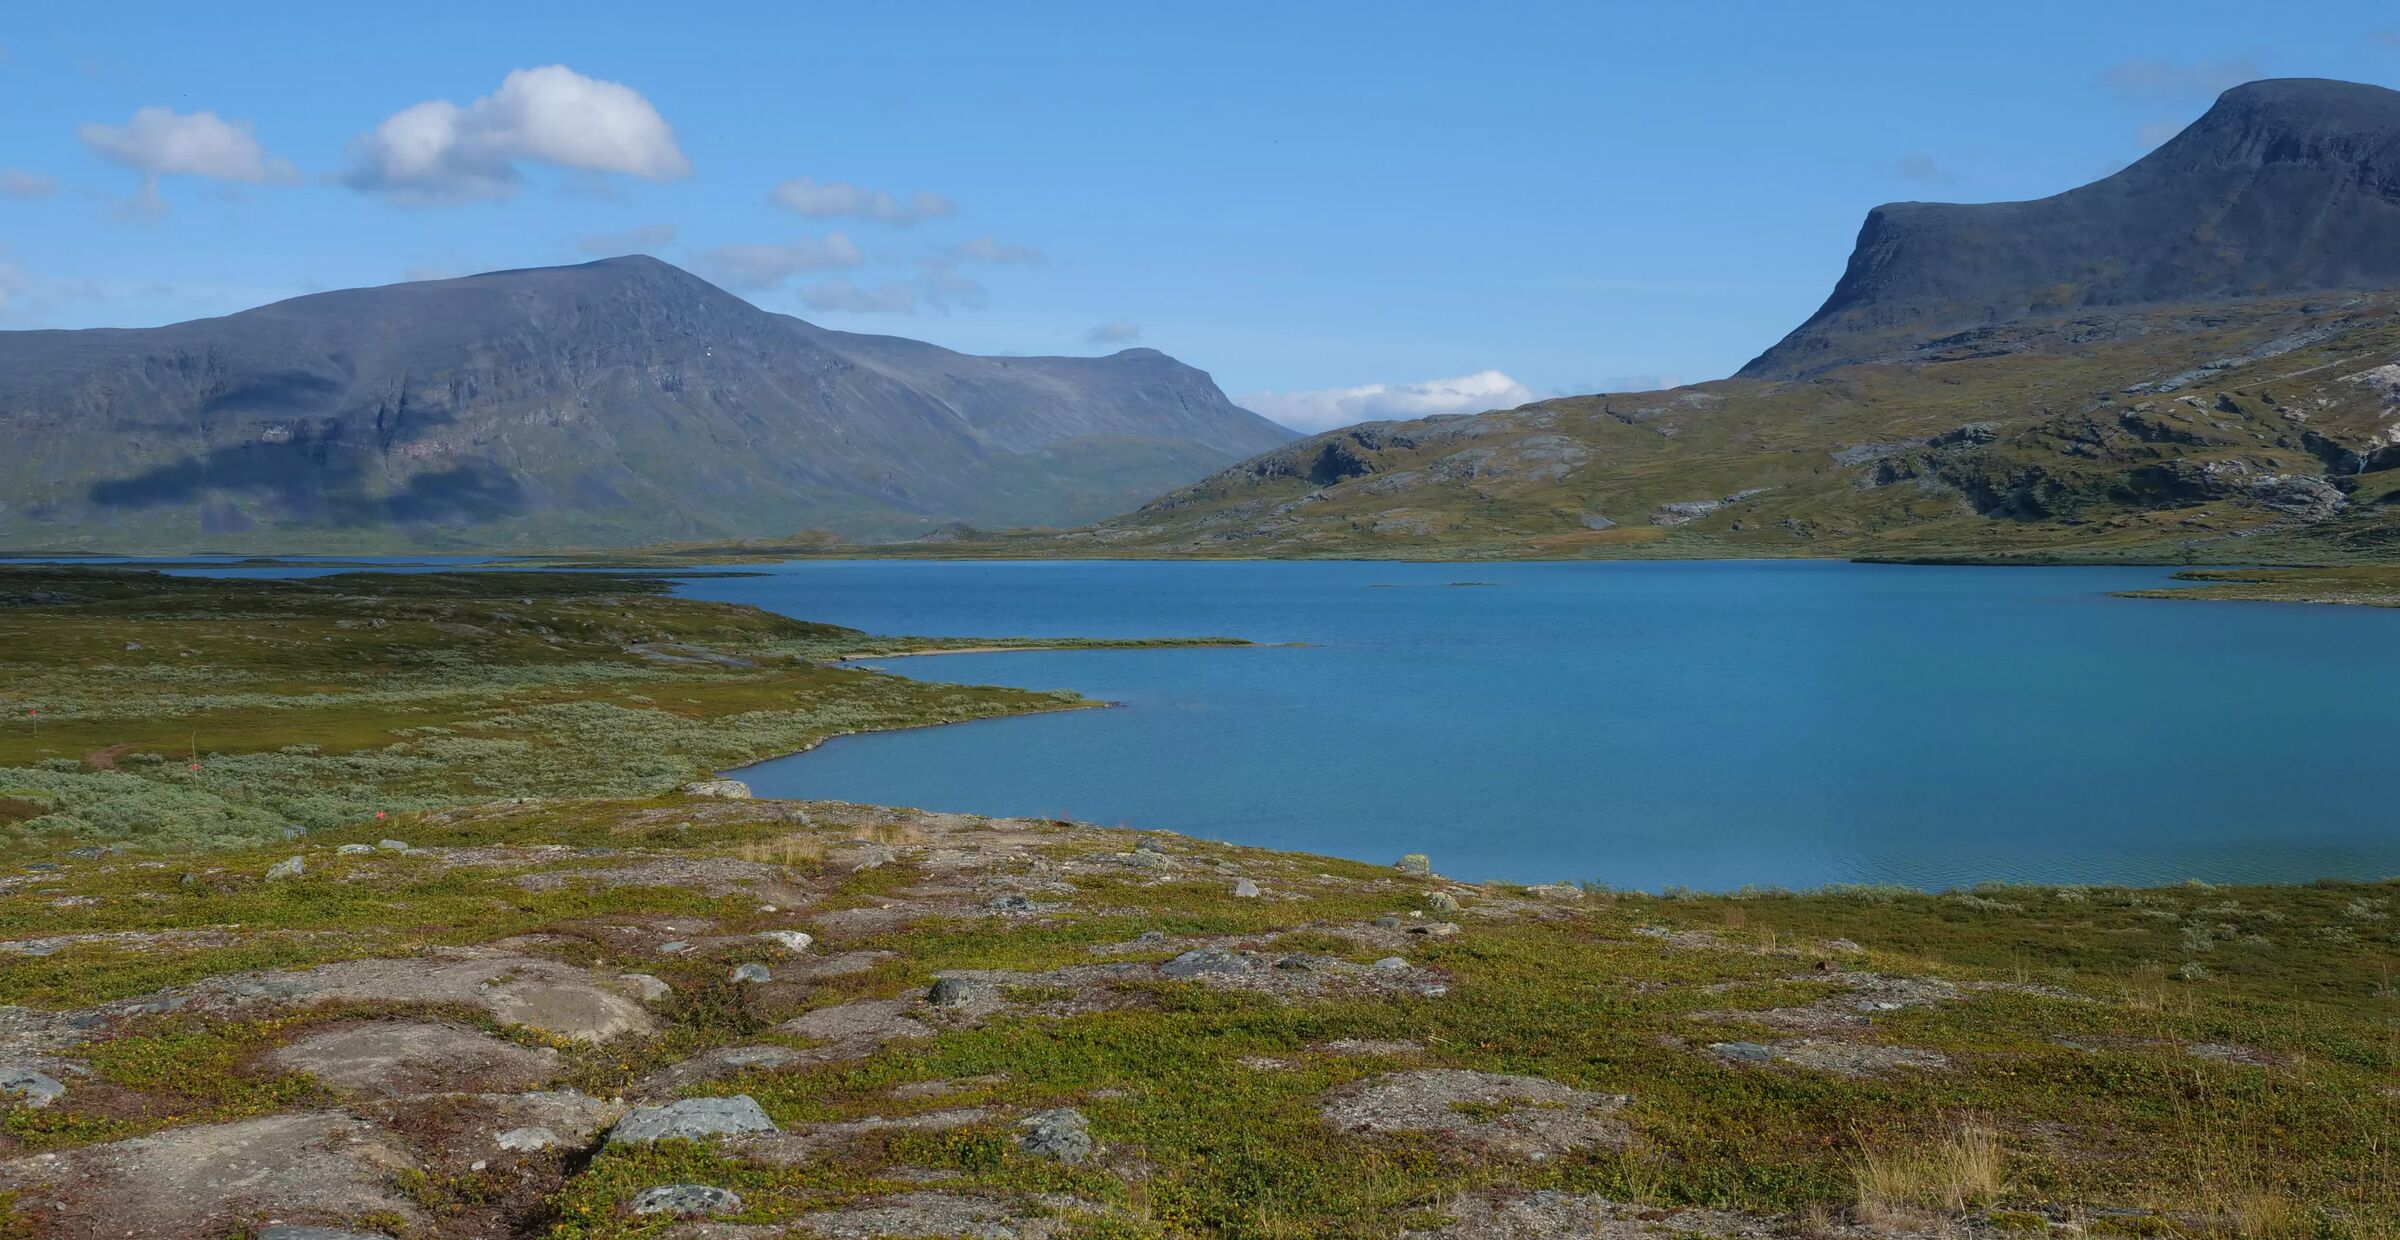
x: 2283, y: 187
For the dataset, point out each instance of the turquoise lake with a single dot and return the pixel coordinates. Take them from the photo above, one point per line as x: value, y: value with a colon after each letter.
x: 1710, y: 725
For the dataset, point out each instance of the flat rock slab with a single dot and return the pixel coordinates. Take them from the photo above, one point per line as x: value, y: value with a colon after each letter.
x: 1552, y: 1215
x: 1828, y: 1055
x: 316, y: 1168
x: 854, y: 1030
x: 517, y: 990
x: 945, y: 1215
x: 716, y: 876
x: 397, y: 1058
x: 1515, y: 1116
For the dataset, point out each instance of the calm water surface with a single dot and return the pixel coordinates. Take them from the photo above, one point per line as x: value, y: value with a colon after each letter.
x: 1647, y: 725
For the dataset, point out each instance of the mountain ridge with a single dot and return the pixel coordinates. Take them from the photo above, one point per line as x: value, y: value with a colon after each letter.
x: 622, y: 400
x: 2196, y: 358
x: 2286, y: 185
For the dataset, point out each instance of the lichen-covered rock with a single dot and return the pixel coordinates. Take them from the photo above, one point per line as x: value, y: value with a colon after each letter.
x: 687, y: 1199
x: 723, y: 789
x: 692, y: 1119
x: 1205, y: 960
x: 1063, y: 1134
x: 30, y: 1086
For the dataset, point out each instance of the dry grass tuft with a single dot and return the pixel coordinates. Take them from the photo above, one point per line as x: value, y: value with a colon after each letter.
x: 1960, y: 1168
x: 894, y: 834
x: 784, y: 850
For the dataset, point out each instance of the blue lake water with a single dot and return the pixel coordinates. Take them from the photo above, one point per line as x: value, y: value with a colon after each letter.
x: 1700, y: 724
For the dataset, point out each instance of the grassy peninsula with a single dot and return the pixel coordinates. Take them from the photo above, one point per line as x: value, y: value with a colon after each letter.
x: 515, y: 982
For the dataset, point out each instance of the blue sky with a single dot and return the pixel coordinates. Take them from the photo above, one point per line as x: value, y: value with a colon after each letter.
x: 1339, y: 210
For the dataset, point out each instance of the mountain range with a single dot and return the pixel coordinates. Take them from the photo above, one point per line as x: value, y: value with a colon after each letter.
x: 616, y: 402
x: 2197, y: 357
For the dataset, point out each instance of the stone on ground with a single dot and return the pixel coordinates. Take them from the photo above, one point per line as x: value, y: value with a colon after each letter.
x: 1063, y: 1134
x: 692, y: 1118
x: 687, y: 1199
x: 30, y: 1086
x: 1205, y: 960
x: 723, y: 789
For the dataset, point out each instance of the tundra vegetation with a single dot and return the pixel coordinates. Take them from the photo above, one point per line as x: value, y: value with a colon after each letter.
x: 549, y: 992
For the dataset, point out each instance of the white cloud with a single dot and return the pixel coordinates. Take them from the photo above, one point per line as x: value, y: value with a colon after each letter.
x: 1115, y: 331
x: 840, y: 200
x: 1328, y: 408
x: 768, y: 266
x: 18, y: 183
x: 2159, y: 81
x: 641, y: 240
x: 438, y: 152
x: 890, y: 297
x: 163, y: 142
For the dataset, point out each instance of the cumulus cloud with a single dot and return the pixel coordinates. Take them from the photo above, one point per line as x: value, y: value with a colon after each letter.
x: 1115, y: 331
x: 1922, y: 168
x: 2160, y: 81
x: 840, y: 200
x: 632, y: 241
x: 1328, y: 408
x: 437, y: 152
x: 163, y: 142
x: 18, y: 183
x: 768, y: 266
x: 889, y: 297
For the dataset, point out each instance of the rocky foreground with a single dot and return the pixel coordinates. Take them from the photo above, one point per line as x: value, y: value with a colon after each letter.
x: 706, y: 1016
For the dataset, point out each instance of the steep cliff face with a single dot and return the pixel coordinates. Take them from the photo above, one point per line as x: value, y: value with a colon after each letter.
x: 623, y: 400
x: 2284, y: 187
